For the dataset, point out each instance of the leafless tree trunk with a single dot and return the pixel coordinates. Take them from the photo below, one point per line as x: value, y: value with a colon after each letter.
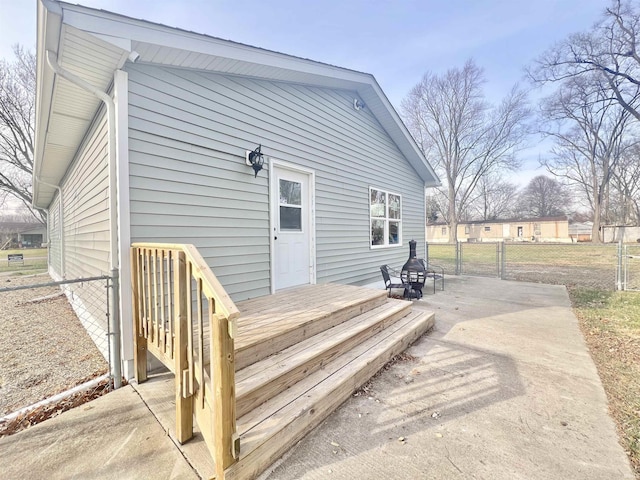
x: 17, y: 113
x: 463, y: 136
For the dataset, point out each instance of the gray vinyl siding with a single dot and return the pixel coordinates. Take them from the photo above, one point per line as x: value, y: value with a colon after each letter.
x: 55, y: 257
x: 85, y: 189
x: 188, y: 132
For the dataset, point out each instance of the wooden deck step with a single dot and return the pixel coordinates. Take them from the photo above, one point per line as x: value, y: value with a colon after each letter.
x: 263, y: 380
x: 270, y: 324
x: 272, y: 428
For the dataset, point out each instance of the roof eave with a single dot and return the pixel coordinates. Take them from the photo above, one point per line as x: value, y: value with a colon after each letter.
x: 49, y: 19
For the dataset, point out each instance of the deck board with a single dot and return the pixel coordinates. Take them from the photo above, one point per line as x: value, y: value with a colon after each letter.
x: 270, y: 324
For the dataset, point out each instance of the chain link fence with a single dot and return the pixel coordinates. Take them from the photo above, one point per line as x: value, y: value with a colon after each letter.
x: 53, y: 336
x: 584, y: 264
x: 629, y: 267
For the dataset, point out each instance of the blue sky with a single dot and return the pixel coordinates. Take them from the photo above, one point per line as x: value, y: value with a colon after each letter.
x: 396, y: 41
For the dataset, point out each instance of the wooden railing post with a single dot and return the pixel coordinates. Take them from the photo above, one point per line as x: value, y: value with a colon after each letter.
x: 223, y: 377
x: 140, y: 340
x: 184, y: 401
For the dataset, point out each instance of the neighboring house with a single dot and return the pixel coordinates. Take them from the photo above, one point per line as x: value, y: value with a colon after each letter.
x: 343, y: 185
x: 548, y: 229
x: 34, y: 236
x: 580, y: 231
x: 22, y: 234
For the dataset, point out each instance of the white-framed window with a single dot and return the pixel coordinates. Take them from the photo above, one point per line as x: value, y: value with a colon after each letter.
x: 487, y: 228
x: 385, y: 218
x: 443, y: 231
x: 467, y: 229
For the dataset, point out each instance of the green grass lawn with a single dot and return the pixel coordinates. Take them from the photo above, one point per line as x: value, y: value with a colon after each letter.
x: 528, y: 253
x: 610, y: 322
x: 35, y: 260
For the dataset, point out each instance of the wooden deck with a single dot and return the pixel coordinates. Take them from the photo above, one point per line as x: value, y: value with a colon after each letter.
x: 299, y: 355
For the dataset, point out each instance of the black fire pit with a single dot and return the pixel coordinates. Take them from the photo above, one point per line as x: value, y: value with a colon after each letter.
x: 413, y: 274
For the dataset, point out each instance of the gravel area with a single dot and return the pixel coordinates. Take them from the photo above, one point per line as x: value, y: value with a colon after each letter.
x: 44, y: 349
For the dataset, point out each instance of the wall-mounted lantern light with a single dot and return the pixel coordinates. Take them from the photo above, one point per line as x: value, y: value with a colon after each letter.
x: 255, y: 159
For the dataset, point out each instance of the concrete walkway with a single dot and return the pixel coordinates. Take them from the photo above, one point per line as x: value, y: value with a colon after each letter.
x: 504, y: 388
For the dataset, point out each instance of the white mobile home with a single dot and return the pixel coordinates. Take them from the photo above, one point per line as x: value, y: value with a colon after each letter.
x: 143, y: 133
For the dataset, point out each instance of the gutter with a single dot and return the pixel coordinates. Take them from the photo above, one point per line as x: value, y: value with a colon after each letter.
x: 60, y: 220
x: 114, y: 320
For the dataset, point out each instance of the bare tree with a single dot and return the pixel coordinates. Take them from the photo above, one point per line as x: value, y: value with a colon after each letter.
x: 494, y: 198
x: 609, y: 50
x: 17, y: 113
x: 464, y: 136
x: 544, y: 197
x: 589, y: 128
x: 624, y: 203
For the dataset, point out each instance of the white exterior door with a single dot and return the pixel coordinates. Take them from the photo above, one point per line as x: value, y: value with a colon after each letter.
x: 506, y: 230
x: 291, y: 194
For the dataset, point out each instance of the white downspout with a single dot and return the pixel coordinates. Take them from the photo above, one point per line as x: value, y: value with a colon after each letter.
x: 60, y: 220
x: 114, y: 320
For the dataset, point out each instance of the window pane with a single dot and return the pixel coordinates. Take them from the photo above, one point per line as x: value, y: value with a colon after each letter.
x: 394, y: 233
x: 394, y: 206
x: 291, y: 218
x: 377, y: 232
x: 378, y: 205
x: 290, y: 192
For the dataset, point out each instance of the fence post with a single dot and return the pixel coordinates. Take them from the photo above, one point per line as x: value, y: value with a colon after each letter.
x: 619, y: 267
x: 503, y: 259
x: 458, y: 258
x: 114, y: 326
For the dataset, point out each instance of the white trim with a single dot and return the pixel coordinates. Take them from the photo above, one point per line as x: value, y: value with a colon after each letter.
x: 121, y: 99
x: 386, y: 219
x: 312, y: 218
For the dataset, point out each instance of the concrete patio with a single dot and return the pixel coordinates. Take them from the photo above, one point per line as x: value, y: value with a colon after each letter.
x: 503, y: 388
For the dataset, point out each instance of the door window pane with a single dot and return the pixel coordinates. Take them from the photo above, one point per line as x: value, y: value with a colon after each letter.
x: 290, y: 193
x: 290, y: 218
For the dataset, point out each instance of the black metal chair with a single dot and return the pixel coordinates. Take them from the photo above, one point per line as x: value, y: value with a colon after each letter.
x: 430, y: 272
x: 391, y: 280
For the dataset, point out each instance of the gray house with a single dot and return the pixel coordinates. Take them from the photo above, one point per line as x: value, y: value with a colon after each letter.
x: 144, y: 132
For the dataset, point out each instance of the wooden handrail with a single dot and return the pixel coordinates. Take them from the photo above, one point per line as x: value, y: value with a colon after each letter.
x: 180, y: 311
